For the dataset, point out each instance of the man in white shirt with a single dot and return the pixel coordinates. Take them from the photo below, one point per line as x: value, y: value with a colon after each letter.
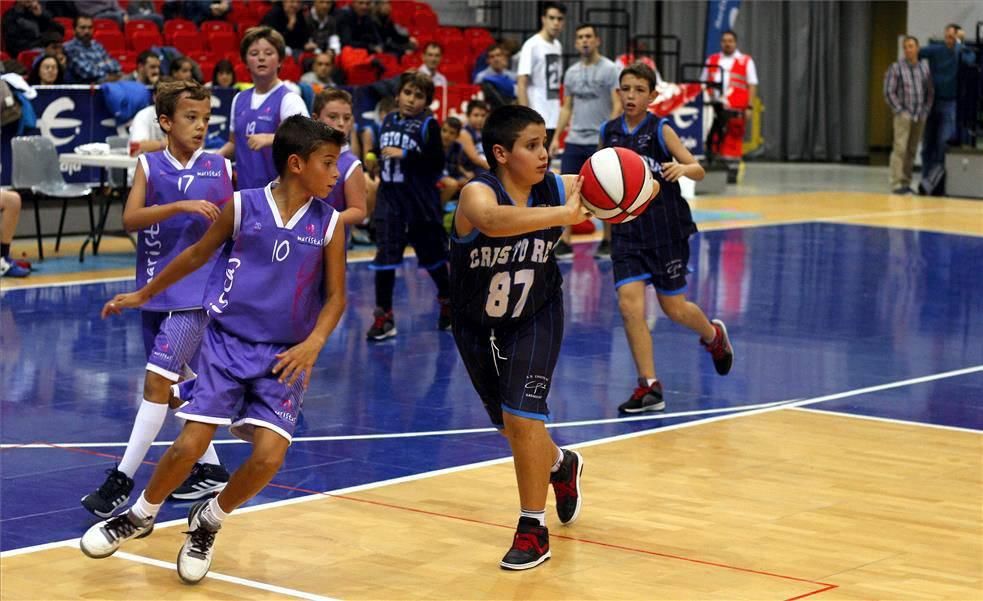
x: 432, y: 56
x: 736, y: 71
x: 541, y: 67
x: 145, y: 133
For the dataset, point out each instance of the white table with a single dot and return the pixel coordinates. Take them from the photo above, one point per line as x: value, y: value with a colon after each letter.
x: 103, y: 161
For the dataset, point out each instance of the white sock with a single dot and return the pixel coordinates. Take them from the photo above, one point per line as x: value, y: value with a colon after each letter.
x: 536, y: 515
x: 558, y: 462
x: 651, y: 381
x: 150, y: 417
x: 214, y: 515
x: 144, y: 509
x: 210, y: 456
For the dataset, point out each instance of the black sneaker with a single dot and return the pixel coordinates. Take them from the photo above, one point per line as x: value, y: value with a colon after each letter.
x: 104, y: 538
x: 720, y: 349
x: 566, y: 486
x: 530, y: 547
x: 563, y: 251
x: 113, y: 493
x: 603, y: 250
x: 444, y: 321
x: 195, y: 557
x: 205, y: 480
x: 645, y: 398
x: 383, y: 327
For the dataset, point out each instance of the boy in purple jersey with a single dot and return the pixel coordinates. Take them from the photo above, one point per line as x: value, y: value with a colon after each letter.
x: 508, y: 312
x: 334, y: 107
x: 161, y: 208
x: 273, y: 303
x: 258, y: 111
x: 408, y: 208
x: 654, y: 247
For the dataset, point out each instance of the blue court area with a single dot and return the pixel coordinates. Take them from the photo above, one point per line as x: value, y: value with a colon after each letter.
x: 813, y: 310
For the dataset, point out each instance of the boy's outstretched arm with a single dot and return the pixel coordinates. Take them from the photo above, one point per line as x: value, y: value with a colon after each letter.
x: 188, y: 261
x: 478, y: 208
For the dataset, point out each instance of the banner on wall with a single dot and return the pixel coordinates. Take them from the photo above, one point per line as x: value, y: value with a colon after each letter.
x: 74, y: 115
x: 683, y: 104
x: 721, y: 15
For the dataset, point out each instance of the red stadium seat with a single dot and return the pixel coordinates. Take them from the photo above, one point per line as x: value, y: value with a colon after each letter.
x: 4, y: 56
x: 139, y: 25
x: 173, y: 25
x: 403, y: 12
x: 223, y: 41
x: 26, y: 57
x: 101, y: 24
x: 456, y: 72
x: 186, y: 41
x: 411, y: 61
x: 207, y: 26
x: 69, y: 26
x: 290, y: 70
x: 143, y: 39
x: 479, y: 38
x: 242, y: 73
x: 111, y: 39
x: 244, y: 21
x: 426, y: 21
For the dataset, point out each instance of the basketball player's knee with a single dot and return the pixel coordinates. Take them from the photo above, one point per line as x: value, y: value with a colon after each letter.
x: 631, y: 303
x: 674, y: 307
x: 188, y: 447
x: 266, y: 461
x: 156, y: 388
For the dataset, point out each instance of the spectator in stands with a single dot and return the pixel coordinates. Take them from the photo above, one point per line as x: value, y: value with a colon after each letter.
x: 25, y: 24
x: 395, y: 39
x: 88, y: 60
x: 322, y: 22
x: 908, y: 92
x: 183, y: 69
x: 46, y: 72
x: 432, y: 55
x: 102, y: 9
x: 223, y: 76
x: 453, y: 177
x: 9, y: 215
x: 145, y: 132
x: 357, y: 29
x: 51, y: 42
x: 498, y: 77
x: 287, y: 18
x: 144, y: 10
x: 943, y: 61
x: 323, y: 73
x: 199, y: 10
x: 148, y: 68
x: 541, y: 67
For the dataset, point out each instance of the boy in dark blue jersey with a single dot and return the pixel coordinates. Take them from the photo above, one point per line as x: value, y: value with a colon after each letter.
x: 654, y: 247
x: 408, y: 209
x: 508, y: 311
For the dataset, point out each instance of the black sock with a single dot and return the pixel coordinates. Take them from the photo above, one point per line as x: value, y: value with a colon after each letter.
x: 5, y: 250
x: 385, y: 281
x: 441, y: 277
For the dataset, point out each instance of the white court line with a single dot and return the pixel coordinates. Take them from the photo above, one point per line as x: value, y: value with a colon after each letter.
x: 889, y: 420
x: 387, y: 435
x: 480, y: 464
x: 289, y: 592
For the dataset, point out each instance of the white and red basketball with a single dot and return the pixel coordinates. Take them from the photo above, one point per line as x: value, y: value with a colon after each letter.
x: 617, y: 185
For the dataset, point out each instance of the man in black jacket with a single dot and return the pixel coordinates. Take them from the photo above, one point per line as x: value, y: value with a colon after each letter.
x: 24, y: 24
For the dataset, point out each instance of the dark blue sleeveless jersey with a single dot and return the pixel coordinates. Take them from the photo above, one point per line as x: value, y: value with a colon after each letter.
x: 668, y: 218
x: 411, y: 182
x: 497, y: 281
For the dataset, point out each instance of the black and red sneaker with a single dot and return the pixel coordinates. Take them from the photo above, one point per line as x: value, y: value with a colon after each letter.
x: 530, y: 547
x: 383, y: 325
x: 645, y: 398
x: 720, y: 349
x: 566, y: 486
x: 444, y: 321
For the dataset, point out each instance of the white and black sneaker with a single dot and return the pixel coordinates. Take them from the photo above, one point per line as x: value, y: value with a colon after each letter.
x: 109, y: 497
x: 205, y: 480
x: 104, y: 538
x: 195, y: 557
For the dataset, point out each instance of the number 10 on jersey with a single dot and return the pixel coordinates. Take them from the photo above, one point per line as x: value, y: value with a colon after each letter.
x: 500, y: 288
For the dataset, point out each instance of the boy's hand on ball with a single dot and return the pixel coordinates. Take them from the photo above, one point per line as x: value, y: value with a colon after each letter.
x: 577, y: 210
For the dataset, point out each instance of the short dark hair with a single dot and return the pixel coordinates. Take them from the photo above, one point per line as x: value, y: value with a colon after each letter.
x: 223, y: 66
x: 728, y: 31
x: 477, y: 104
x: 302, y: 135
x: 641, y: 71
x: 143, y: 56
x: 504, y: 125
x: 953, y: 26
x: 434, y: 45
x: 912, y: 38
x: 544, y: 8
x: 585, y: 26
x: 453, y: 123
x: 35, y: 76
x: 168, y: 93
x: 262, y: 32
x: 330, y: 95
x: 81, y: 16
x: 417, y: 80
x: 179, y: 62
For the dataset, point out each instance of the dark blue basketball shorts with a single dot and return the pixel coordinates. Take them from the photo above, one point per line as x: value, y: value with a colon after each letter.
x: 665, y: 267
